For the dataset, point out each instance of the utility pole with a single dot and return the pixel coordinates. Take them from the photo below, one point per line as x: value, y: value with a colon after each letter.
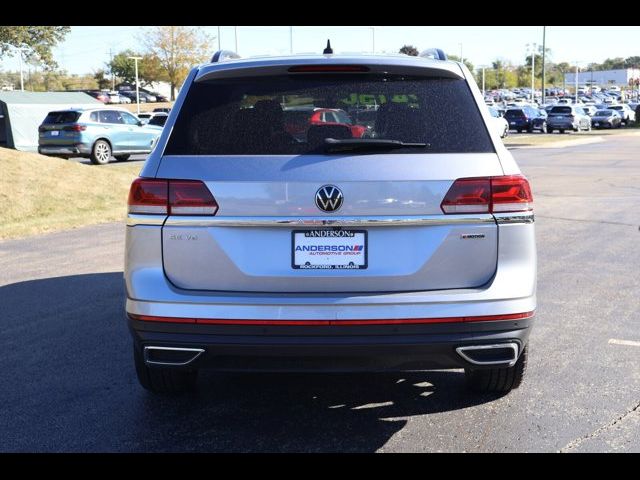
x: 461, y: 58
x: 219, y: 48
x: 544, y: 51
x: 135, y: 59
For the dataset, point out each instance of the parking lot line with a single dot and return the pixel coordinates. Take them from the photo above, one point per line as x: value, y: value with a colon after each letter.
x: 629, y: 343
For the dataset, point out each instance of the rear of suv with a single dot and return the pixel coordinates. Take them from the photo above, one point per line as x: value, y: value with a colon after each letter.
x: 97, y: 134
x: 568, y: 117
x: 252, y: 249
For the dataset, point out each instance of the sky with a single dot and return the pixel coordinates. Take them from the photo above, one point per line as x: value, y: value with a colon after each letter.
x: 87, y: 48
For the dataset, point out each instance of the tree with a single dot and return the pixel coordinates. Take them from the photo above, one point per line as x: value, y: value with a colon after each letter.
x: 35, y: 42
x: 177, y: 49
x: 149, y: 68
x: 409, y: 50
x: 101, y: 77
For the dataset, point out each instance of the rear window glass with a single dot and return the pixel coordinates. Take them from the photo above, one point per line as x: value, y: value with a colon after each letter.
x: 292, y: 115
x: 561, y: 110
x: 513, y: 114
x: 61, y: 117
x: 159, y: 120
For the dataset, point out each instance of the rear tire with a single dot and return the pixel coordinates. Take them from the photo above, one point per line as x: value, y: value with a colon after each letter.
x: 497, y: 380
x: 122, y: 158
x: 163, y: 379
x: 100, y: 153
x: 543, y: 129
x: 561, y: 130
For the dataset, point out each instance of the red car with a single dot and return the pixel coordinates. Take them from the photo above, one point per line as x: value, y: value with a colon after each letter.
x: 298, y: 121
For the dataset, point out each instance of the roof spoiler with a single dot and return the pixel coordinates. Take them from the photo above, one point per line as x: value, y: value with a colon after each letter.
x: 222, y: 55
x: 435, y: 53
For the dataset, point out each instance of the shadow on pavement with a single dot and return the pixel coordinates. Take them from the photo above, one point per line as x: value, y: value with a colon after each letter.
x: 68, y: 384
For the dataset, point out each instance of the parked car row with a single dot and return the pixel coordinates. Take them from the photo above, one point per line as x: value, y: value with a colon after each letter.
x: 523, y: 117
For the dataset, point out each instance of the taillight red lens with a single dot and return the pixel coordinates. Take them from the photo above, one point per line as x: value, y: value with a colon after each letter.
x: 191, y: 198
x: 149, y: 196
x: 171, y: 197
x: 468, y: 195
x: 510, y: 193
x: 75, y: 128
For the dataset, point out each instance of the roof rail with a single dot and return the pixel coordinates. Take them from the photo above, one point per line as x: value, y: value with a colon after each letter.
x: 435, y: 53
x: 222, y: 55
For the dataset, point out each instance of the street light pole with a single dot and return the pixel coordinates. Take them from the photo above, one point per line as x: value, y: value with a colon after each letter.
x: 235, y: 32
x: 135, y: 59
x: 291, y: 40
x: 533, y: 72
x: 461, y: 57
x: 576, y: 99
x: 544, y: 48
x: 483, y: 91
x: 373, y: 39
x: 219, y: 38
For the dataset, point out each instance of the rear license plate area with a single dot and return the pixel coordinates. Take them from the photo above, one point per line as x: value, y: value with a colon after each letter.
x: 329, y: 249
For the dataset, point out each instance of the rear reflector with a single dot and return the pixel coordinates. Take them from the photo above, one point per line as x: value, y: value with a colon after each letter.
x: 328, y: 68
x: 384, y: 321
x: 171, y: 197
x: 509, y: 193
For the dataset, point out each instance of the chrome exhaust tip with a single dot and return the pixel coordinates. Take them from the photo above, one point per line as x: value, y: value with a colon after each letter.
x: 503, y: 354
x: 171, y: 356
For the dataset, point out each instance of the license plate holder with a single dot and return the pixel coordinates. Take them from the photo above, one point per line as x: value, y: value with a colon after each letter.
x: 329, y: 249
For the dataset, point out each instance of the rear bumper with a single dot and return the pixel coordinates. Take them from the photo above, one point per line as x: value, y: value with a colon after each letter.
x: 331, y: 348
x: 77, y: 150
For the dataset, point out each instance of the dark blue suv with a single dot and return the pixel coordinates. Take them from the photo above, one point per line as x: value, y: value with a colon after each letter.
x: 526, y: 118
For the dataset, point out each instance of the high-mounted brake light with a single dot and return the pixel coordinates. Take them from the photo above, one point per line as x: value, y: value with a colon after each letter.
x: 328, y: 68
x: 509, y: 193
x: 171, y: 197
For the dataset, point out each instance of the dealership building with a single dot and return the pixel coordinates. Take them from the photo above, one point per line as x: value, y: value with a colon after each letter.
x: 603, y: 78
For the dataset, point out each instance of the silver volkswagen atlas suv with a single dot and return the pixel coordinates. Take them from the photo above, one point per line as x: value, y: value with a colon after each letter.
x: 330, y: 213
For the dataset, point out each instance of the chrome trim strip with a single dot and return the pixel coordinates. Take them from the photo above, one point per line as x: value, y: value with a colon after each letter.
x: 134, y: 219
x: 514, y: 217
x: 513, y: 346
x: 197, y: 351
x: 337, y: 221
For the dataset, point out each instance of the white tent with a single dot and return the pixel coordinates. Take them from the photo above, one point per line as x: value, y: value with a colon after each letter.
x: 21, y: 113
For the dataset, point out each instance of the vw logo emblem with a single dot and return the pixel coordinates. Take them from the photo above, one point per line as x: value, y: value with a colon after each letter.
x: 329, y: 198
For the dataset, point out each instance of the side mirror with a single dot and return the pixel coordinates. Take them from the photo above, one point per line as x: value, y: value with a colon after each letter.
x: 140, y: 123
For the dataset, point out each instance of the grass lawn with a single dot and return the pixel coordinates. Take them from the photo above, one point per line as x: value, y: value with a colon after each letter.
x: 42, y: 194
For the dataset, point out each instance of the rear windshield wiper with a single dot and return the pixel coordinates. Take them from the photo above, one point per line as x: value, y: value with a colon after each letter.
x: 337, y: 145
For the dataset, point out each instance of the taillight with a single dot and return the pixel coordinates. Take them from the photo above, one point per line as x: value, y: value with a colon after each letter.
x: 171, y: 197
x: 149, y: 196
x: 191, y: 198
x: 468, y: 195
x: 76, y: 127
x: 510, y: 193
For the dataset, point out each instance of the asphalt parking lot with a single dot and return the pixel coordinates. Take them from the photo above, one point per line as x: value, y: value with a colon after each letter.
x: 67, y: 381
